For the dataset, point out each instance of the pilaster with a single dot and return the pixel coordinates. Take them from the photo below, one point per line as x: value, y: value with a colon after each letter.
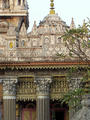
x: 43, y: 102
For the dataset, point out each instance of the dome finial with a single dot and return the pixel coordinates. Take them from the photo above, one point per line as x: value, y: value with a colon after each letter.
x: 52, y: 11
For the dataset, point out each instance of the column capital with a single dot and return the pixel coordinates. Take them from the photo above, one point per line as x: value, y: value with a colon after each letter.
x: 9, y: 87
x: 43, y: 83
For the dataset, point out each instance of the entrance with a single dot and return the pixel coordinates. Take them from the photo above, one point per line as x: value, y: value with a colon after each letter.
x: 28, y: 111
x: 29, y: 114
x: 59, y: 115
x: 59, y: 112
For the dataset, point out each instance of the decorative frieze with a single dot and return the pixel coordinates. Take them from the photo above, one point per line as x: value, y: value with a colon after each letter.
x: 29, y: 88
x: 74, y: 83
x: 58, y: 87
x: 26, y: 89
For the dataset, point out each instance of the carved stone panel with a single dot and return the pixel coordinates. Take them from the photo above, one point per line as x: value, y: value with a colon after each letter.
x: 26, y: 89
x: 9, y: 87
x: 43, y: 83
x: 59, y: 87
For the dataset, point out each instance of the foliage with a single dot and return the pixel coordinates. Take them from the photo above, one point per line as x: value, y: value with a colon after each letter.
x: 77, y: 41
x: 73, y: 97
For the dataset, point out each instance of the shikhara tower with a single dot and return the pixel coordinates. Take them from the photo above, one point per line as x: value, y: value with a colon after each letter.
x: 32, y: 77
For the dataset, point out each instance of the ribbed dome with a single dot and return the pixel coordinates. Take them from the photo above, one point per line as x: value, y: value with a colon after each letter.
x: 52, y: 17
x: 52, y: 24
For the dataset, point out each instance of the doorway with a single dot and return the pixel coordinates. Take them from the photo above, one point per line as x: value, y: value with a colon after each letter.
x: 29, y: 114
x: 59, y: 115
x: 59, y: 112
x: 28, y: 111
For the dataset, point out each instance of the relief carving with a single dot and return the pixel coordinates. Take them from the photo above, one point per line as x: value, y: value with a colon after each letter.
x: 3, y: 24
x: 9, y: 87
x: 43, y: 84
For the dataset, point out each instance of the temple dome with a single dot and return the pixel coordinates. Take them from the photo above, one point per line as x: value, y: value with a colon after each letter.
x: 52, y: 24
x: 52, y: 17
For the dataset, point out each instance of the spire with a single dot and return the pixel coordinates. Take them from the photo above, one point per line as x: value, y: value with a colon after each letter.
x: 84, y: 23
x: 72, y: 26
x: 52, y: 11
x: 34, y: 26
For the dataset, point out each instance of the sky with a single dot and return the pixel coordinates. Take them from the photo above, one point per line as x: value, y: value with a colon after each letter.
x: 66, y: 9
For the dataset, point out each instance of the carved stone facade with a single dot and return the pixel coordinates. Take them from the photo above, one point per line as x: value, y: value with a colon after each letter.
x: 32, y: 76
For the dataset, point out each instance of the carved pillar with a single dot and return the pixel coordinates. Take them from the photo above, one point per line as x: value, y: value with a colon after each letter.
x: 74, y: 83
x: 43, y: 107
x: 9, y: 98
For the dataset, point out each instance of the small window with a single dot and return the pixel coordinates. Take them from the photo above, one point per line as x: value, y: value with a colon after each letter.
x: 1, y: 51
x: 59, y: 40
x: 23, y: 43
x: 24, y: 2
x: 19, y: 2
x: 34, y: 43
x: 47, y: 41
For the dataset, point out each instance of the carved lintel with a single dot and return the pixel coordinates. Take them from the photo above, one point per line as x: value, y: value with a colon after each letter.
x: 43, y: 83
x: 9, y: 87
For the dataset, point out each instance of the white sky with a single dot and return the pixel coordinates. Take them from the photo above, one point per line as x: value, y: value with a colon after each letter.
x: 66, y: 9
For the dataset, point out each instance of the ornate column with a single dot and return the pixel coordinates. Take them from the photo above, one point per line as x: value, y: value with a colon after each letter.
x: 9, y: 98
x: 43, y: 107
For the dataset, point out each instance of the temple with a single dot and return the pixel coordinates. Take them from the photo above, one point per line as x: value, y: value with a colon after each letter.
x: 33, y: 78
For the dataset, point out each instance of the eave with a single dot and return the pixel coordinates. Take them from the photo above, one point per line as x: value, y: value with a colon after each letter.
x: 43, y: 65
